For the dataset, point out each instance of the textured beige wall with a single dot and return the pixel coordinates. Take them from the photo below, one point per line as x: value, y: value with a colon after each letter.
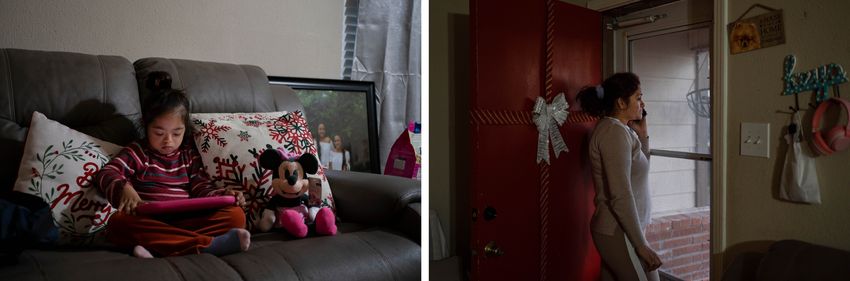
x: 817, y: 32
x: 284, y: 37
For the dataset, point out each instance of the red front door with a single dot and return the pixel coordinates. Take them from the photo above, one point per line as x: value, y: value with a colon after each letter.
x: 507, y: 69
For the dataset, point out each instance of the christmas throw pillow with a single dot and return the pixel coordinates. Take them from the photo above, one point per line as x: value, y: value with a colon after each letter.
x: 230, y: 145
x: 58, y: 165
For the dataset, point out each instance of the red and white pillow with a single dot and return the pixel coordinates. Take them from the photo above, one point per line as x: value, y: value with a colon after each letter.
x: 230, y: 145
x: 58, y: 165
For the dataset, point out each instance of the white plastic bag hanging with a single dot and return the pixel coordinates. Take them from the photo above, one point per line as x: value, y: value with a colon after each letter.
x: 799, y: 180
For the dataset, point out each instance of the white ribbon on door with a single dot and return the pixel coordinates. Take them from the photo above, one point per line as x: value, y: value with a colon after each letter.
x: 549, y: 118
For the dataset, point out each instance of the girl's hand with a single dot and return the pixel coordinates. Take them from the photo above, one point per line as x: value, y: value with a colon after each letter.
x: 129, y: 200
x: 649, y: 257
x: 240, y: 198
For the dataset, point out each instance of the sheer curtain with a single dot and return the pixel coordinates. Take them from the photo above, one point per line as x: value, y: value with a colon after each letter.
x: 387, y: 51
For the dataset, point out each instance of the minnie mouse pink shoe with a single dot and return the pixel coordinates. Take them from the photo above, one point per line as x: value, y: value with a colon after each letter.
x: 292, y: 222
x: 325, y: 222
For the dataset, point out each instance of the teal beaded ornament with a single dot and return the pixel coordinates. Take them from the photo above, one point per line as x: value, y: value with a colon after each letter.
x: 818, y: 80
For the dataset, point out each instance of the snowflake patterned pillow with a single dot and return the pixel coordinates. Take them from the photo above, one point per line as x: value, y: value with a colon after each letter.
x: 230, y: 145
x: 58, y: 165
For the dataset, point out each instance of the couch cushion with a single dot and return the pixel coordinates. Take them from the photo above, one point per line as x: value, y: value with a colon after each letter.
x: 278, y: 235
x: 212, y: 87
x: 374, y: 254
x: 95, y: 95
x: 370, y: 254
x: 110, y: 265
x: 59, y: 166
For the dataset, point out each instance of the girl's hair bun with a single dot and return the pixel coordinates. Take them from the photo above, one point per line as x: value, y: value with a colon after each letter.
x: 158, y: 81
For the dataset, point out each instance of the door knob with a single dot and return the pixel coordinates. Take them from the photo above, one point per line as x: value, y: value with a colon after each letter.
x: 489, y: 213
x: 493, y: 250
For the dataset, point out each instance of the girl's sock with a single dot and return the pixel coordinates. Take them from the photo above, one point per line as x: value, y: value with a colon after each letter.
x: 235, y: 240
x: 141, y: 252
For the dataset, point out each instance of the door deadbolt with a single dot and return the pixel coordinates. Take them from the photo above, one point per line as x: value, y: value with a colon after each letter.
x: 489, y: 213
x: 493, y: 250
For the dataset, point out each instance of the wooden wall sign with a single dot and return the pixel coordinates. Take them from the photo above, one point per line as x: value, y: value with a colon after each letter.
x: 762, y: 31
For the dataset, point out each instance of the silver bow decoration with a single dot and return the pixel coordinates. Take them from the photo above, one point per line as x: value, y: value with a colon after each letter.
x: 549, y: 118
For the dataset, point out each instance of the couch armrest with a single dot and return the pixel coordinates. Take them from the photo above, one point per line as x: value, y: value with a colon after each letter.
x: 370, y: 198
x: 788, y: 260
x: 411, y: 221
x: 285, y: 98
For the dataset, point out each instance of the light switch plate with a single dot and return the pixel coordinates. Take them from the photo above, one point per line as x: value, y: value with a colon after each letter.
x: 755, y: 140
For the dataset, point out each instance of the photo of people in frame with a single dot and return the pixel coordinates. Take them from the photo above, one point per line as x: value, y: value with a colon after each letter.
x: 344, y: 110
x: 338, y: 121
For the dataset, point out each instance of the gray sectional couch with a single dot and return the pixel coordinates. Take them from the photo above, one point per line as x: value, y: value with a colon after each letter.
x: 99, y: 95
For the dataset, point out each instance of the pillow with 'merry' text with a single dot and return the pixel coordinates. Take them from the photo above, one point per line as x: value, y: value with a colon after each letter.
x: 58, y: 165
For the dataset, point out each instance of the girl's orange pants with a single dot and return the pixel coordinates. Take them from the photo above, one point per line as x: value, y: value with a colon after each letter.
x: 173, y: 234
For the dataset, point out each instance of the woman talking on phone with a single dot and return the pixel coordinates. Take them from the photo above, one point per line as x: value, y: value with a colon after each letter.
x: 619, y: 156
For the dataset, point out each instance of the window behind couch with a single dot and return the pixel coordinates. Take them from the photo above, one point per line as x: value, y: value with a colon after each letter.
x: 349, y: 36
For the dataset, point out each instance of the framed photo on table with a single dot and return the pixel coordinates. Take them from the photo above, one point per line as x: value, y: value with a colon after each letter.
x: 342, y: 118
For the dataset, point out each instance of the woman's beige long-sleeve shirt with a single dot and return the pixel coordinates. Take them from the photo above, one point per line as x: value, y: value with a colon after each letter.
x: 620, y: 165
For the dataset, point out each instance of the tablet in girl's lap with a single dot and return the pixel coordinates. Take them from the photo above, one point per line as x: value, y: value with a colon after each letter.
x: 185, y: 205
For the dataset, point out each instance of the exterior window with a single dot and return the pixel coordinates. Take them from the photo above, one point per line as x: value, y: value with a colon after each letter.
x: 674, y: 72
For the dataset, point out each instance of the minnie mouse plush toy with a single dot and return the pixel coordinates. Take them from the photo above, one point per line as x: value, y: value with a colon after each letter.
x: 288, y: 208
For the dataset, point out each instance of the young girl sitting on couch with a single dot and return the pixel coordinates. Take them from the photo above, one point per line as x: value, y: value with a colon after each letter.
x: 166, y: 165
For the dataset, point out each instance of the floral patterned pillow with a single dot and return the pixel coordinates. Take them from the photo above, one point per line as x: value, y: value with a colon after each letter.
x: 230, y: 145
x: 58, y: 165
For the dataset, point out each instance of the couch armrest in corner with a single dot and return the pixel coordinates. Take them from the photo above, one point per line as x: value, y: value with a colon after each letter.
x: 285, y: 98
x: 798, y: 260
x: 371, y: 198
x: 411, y: 222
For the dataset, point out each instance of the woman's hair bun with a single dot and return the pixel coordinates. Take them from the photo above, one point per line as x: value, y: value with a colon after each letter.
x: 158, y: 81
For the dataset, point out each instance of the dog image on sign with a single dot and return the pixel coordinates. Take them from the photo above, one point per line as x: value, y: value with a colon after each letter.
x: 744, y: 37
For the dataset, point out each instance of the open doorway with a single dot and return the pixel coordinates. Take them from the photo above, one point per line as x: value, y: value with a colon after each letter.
x: 674, y: 74
x: 668, y: 47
